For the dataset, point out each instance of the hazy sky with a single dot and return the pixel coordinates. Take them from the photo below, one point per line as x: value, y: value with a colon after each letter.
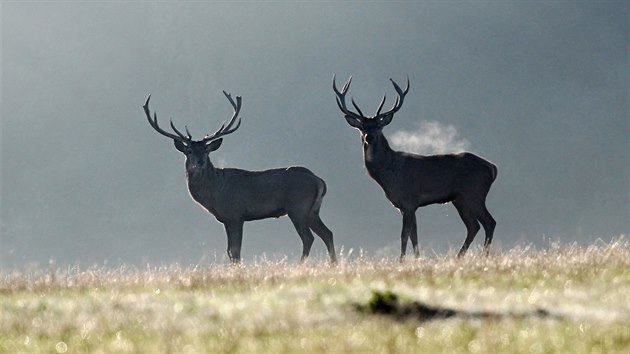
x: 539, y: 88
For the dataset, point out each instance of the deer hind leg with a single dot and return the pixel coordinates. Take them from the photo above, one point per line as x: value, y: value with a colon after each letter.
x: 318, y: 226
x: 413, y: 235
x: 488, y: 223
x: 408, y: 230
x: 302, y: 228
x: 466, y: 212
x: 234, y: 232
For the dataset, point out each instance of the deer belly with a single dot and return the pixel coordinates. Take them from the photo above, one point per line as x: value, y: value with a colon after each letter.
x: 262, y: 208
x: 426, y: 199
x: 263, y: 214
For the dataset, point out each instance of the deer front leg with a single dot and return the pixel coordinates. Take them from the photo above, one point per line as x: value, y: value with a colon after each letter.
x: 409, y: 222
x: 234, y: 232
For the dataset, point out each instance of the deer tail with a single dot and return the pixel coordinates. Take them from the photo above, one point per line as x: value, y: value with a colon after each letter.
x: 321, y: 192
x: 494, y: 170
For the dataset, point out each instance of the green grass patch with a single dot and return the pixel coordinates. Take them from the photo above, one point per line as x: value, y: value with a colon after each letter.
x: 564, y: 299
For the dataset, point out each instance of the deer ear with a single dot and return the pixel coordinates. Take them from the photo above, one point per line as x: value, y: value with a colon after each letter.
x: 383, y: 121
x: 180, y: 146
x: 354, y: 122
x: 215, y: 144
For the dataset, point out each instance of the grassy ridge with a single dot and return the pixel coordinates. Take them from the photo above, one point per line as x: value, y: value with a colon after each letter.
x: 278, y: 307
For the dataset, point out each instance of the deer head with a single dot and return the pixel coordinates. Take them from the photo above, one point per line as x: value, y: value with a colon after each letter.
x: 197, y: 151
x: 370, y: 127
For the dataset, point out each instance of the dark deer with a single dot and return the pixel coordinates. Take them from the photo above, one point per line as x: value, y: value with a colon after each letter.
x: 411, y: 181
x: 234, y: 196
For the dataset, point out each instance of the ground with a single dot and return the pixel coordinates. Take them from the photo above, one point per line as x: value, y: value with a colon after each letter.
x: 559, y: 299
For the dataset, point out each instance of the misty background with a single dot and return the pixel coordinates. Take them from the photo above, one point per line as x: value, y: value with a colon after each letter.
x: 539, y: 88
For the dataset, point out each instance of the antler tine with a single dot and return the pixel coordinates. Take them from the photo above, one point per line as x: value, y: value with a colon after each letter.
x: 229, y: 97
x: 177, y: 131
x: 400, y: 92
x: 154, y: 123
x: 357, y: 107
x: 335, y: 86
x: 341, y: 96
x: 237, y: 108
x: 380, y: 106
x: 346, y: 86
x: 187, y: 132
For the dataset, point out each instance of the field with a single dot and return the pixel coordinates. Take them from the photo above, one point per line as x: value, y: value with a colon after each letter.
x: 565, y: 299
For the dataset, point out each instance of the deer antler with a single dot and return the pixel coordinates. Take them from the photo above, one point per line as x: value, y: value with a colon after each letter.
x: 153, y: 121
x: 341, y: 101
x: 225, y: 130
x: 397, y: 104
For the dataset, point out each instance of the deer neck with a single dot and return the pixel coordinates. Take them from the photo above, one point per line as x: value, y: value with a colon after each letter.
x: 379, y: 157
x: 203, y: 182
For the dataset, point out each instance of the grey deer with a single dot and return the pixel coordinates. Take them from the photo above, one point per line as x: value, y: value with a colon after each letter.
x: 411, y: 181
x: 234, y: 196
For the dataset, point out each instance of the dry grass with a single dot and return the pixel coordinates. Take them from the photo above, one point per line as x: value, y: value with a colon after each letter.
x: 279, y: 307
